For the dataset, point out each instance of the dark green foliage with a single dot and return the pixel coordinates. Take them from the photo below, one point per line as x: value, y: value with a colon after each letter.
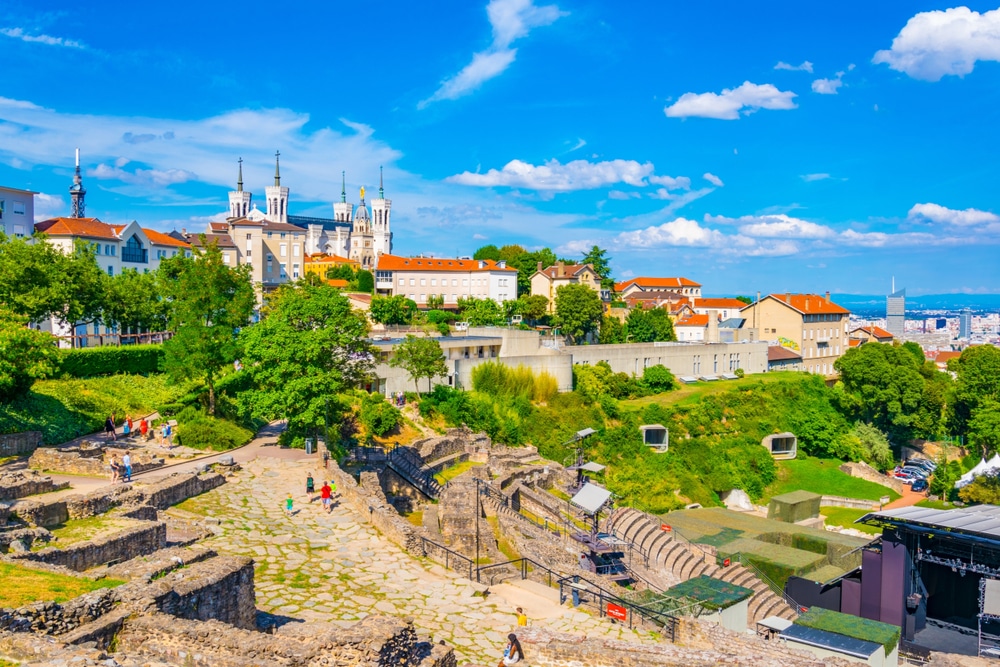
x: 658, y: 378
x: 851, y: 626
x: 487, y: 252
x: 133, y: 302
x: 26, y: 355
x: 612, y: 331
x: 599, y: 380
x: 198, y: 430
x: 578, y: 310
x: 598, y: 259
x: 107, y: 360
x: 392, y: 309
x: 978, y: 382
x: 481, y: 312
x: 421, y: 358
x: 364, y: 281
x: 378, y: 416
x: 648, y: 326
x: 439, y: 316
x: 532, y: 307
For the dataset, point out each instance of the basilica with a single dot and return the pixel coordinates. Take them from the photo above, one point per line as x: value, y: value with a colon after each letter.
x: 354, y: 232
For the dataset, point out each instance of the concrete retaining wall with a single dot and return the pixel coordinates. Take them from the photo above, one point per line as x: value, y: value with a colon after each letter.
x: 841, y: 501
x: 681, y: 358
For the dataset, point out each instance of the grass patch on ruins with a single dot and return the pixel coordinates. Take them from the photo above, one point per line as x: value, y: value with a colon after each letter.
x: 845, y: 518
x: 823, y: 476
x: 69, y: 408
x: 416, y: 518
x: 451, y: 472
x: 22, y: 585
x: 506, y: 547
x: 81, y: 530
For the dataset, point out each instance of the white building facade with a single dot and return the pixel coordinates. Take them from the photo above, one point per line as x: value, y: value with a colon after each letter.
x: 17, y: 212
x: 418, y: 278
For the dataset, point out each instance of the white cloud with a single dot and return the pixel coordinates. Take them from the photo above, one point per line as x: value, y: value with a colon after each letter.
x: 810, y: 178
x: 678, y: 232
x: 19, y: 33
x: 882, y: 239
x: 938, y: 43
x: 827, y: 86
x: 728, y: 104
x: 48, y: 206
x: 775, y: 226
x: 576, y: 247
x: 511, y: 20
x: 480, y: 237
x: 713, y: 179
x: 948, y: 216
x: 554, y: 176
x: 618, y: 194
x: 671, y: 182
x: 804, y: 67
x: 158, y: 177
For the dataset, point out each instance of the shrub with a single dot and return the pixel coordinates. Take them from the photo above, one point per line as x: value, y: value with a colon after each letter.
x: 439, y: 316
x: 97, y: 361
x: 378, y: 416
x: 658, y: 378
x: 502, y: 381
x: 198, y: 430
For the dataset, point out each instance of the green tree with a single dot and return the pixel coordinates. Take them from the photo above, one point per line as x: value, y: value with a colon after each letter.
x: 984, y: 427
x: 421, y: 358
x: 978, y: 380
x: 526, y: 264
x: 598, y: 258
x: 26, y: 355
x: 578, y: 310
x: 435, y: 301
x: 874, y: 445
x: 612, y: 331
x: 648, y: 326
x: 309, y: 346
x: 481, y: 312
x: 210, y: 301
x: 378, y: 416
x: 534, y: 307
x: 510, y: 252
x: 983, y: 489
x: 32, y: 279
x: 487, y: 252
x: 745, y: 299
x: 392, y: 309
x: 133, y: 302
x: 364, y: 282
x: 658, y: 378
x: 89, y: 285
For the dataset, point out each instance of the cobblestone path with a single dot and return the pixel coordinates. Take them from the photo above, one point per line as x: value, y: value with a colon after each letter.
x: 336, y: 568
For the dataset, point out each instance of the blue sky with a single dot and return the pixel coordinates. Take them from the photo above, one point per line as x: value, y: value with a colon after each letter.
x: 749, y: 147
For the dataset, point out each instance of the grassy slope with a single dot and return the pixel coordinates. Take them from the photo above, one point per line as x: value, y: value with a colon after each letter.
x: 692, y: 393
x: 823, y: 476
x: 23, y: 585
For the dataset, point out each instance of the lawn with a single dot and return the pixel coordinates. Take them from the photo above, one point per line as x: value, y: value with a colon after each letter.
x: 845, y: 518
x: 692, y: 393
x: 824, y: 477
x: 937, y: 504
x: 23, y: 586
x: 451, y: 472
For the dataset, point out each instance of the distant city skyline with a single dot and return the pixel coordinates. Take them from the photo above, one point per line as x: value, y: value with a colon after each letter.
x: 774, y: 149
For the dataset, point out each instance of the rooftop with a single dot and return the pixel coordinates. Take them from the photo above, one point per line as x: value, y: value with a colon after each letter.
x: 397, y: 263
x: 981, y: 520
x: 87, y: 227
x: 693, y: 321
x: 876, y: 332
x: 809, y: 304
x: 560, y: 270
x: 710, y: 592
x: 652, y: 283
x: 718, y: 303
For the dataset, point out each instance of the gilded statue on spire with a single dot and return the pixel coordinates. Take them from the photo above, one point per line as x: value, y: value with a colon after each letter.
x: 362, y: 192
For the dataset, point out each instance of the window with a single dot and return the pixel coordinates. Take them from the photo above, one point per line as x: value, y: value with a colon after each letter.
x: 412, y: 282
x: 18, y: 208
x: 283, y: 250
x: 162, y: 254
x: 295, y: 250
x: 248, y: 237
x: 295, y: 270
x: 225, y: 257
x: 423, y: 298
x: 111, y: 270
x: 282, y: 235
x: 434, y: 282
x: 248, y: 252
x: 270, y: 234
x: 402, y: 281
x: 465, y: 282
x: 270, y: 268
x: 19, y: 230
x: 423, y: 282
x: 454, y: 282
x: 2, y: 205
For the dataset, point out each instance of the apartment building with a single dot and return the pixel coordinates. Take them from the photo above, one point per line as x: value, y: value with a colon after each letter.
x: 275, y: 251
x: 546, y: 282
x: 682, y: 286
x: 320, y: 262
x: 808, y: 324
x: 726, y: 308
x: 418, y: 278
x: 17, y: 211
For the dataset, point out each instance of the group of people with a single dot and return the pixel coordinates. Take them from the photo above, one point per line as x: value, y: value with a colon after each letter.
x: 399, y: 399
x: 121, y: 472
x: 142, y: 429
x: 325, y: 493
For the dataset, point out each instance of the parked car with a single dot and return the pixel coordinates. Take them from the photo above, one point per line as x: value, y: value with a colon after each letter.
x: 916, y: 470
x: 930, y: 466
x: 920, y: 485
x: 906, y: 478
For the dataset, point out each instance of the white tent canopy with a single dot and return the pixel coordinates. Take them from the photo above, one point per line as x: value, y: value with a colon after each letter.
x: 981, y: 468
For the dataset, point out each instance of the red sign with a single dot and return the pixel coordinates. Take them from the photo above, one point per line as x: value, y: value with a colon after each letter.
x: 665, y: 527
x: 617, y: 612
x: 726, y: 563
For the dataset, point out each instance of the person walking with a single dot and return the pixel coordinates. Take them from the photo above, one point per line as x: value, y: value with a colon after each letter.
x: 115, y: 469
x: 144, y: 429
x: 326, y: 493
x: 127, y: 464
x: 109, y: 427
x: 310, y: 485
x: 288, y: 505
x: 127, y: 427
x: 512, y: 653
x: 522, y: 620
x: 168, y: 435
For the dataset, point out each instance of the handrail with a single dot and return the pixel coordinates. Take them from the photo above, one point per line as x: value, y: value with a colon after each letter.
x: 663, y: 620
x: 743, y: 560
x: 447, y: 553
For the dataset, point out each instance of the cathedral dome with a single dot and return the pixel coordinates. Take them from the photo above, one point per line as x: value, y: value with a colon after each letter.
x: 362, y: 213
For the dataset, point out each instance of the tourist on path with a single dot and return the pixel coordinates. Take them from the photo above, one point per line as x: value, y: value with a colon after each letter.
x: 128, y: 427
x: 310, y: 485
x: 326, y: 494
x: 109, y: 427
x: 127, y: 463
x: 115, y: 469
x: 168, y: 435
x: 522, y: 620
x: 144, y: 428
x: 512, y: 653
x: 288, y: 505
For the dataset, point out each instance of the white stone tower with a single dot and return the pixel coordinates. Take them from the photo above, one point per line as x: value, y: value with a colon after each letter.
x: 239, y: 199
x: 381, y: 212
x: 342, y: 210
x: 277, y: 196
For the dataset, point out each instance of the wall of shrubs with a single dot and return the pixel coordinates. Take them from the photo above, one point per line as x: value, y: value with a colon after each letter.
x: 97, y: 361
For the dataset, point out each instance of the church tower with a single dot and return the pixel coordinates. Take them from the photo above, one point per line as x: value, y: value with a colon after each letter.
x: 239, y: 199
x: 277, y: 196
x: 342, y: 210
x: 77, y: 192
x: 381, y: 211
x: 361, y: 236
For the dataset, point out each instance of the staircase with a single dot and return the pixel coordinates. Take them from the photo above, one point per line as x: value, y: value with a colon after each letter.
x: 407, y: 464
x: 666, y: 552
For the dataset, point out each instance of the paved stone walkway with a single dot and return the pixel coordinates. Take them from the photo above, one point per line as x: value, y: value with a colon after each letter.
x: 336, y: 568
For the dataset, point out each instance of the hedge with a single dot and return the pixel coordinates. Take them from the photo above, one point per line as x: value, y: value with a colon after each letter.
x: 97, y: 361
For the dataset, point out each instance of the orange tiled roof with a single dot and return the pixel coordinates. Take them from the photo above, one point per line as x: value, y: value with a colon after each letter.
x: 218, y: 226
x: 876, y: 332
x: 88, y: 227
x: 396, y: 263
x: 945, y: 355
x: 652, y: 283
x: 336, y: 282
x: 718, y: 303
x: 158, y: 238
x: 854, y: 342
x: 694, y: 321
x: 322, y: 257
x: 567, y: 270
x: 810, y: 304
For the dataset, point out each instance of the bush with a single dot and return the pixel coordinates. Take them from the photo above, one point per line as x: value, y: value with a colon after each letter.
x: 439, y: 316
x: 197, y: 430
x: 378, y: 416
x: 658, y: 378
x: 505, y: 382
x: 97, y: 361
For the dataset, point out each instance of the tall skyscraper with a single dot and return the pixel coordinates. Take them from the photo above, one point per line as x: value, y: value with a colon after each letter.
x: 965, y: 323
x: 895, y: 311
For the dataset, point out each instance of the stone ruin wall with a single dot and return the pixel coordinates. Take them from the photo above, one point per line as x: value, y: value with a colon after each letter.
x: 18, y: 484
x: 90, y: 459
x: 454, y: 441
x: 145, y: 538
x: 864, y: 471
x: 19, y: 444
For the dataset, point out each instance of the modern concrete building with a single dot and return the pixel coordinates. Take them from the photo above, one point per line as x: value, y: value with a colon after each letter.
x: 895, y: 313
x: 965, y: 324
x: 546, y: 282
x: 418, y: 278
x: 17, y: 211
x: 808, y: 324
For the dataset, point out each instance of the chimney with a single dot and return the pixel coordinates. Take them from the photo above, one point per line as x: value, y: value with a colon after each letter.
x: 828, y: 296
x: 184, y: 231
x: 539, y: 267
x: 560, y: 269
x: 807, y: 304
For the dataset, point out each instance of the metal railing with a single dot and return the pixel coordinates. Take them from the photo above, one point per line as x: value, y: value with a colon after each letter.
x: 116, y: 339
x: 451, y: 559
x: 588, y: 594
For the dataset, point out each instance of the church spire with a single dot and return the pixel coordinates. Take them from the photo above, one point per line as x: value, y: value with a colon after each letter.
x: 239, y: 179
x: 277, y: 170
x: 381, y: 192
x: 343, y: 186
